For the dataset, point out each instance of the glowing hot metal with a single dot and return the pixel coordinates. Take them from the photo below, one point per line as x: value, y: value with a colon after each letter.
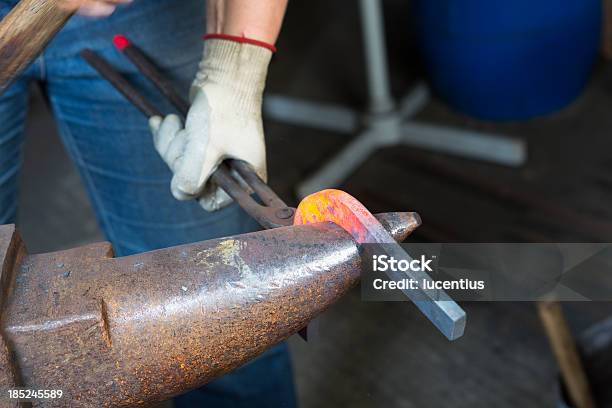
x: 345, y: 211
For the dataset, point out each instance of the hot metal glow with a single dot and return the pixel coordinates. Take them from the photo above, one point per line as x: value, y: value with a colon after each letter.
x: 340, y: 208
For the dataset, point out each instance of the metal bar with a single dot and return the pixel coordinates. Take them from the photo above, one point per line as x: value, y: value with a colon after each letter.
x: 414, y: 101
x: 149, y: 70
x: 435, y: 304
x: 471, y: 144
x: 344, y: 210
x: 387, y: 131
x: 109, y: 73
x: 311, y: 114
x: 340, y: 166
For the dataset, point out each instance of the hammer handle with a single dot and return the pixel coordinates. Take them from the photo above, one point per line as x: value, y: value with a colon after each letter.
x: 24, y: 33
x: 566, y: 353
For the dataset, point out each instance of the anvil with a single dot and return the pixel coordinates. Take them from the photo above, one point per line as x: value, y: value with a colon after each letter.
x: 133, y: 330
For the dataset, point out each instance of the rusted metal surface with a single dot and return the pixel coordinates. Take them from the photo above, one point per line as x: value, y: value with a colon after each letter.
x: 133, y: 330
x: 11, y: 252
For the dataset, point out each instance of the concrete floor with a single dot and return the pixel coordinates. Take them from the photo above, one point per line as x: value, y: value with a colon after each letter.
x: 387, y: 354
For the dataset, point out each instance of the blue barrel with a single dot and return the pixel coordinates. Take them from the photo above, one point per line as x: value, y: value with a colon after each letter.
x: 508, y: 59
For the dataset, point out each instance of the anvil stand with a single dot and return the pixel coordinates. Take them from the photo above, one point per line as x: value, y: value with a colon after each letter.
x: 387, y: 123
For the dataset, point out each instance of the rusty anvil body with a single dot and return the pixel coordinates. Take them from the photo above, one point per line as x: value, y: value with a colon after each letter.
x: 133, y: 330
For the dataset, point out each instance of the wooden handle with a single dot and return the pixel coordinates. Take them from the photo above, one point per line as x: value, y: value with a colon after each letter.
x: 24, y: 33
x: 566, y: 353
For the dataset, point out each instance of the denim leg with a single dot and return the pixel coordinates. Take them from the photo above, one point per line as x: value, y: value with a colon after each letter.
x: 128, y: 182
x: 13, y: 111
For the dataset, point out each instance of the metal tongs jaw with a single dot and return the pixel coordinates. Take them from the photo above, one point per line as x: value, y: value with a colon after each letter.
x: 273, y: 213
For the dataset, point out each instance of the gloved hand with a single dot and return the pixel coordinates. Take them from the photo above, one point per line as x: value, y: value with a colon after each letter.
x: 224, y: 120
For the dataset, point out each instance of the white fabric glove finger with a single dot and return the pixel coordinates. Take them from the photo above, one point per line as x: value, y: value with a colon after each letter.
x: 176, y: 149
x: 178, y: 193
x: 154, y: 122
x: 195, y: 166
x: 164, y: 131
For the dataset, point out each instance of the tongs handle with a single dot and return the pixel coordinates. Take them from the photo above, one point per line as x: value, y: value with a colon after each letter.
x: 274, y: 213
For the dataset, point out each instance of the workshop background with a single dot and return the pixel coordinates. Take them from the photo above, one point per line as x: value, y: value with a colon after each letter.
x: 388, y: 354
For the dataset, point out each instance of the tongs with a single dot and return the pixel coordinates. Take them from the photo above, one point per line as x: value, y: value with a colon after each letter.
x: 231, y: 175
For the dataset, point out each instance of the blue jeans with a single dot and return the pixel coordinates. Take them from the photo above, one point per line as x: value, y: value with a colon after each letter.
x: 128, y: 183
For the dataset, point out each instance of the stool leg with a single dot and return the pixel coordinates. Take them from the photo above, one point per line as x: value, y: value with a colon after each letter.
x: 376, y: 56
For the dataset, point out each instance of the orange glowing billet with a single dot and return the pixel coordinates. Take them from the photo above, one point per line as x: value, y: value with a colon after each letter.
x: 343, y: 210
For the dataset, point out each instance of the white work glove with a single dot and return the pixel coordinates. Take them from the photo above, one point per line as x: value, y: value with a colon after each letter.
x: 224, y: 121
